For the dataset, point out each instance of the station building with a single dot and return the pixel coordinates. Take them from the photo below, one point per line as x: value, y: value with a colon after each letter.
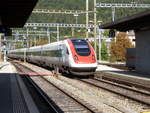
x: 140, y: 23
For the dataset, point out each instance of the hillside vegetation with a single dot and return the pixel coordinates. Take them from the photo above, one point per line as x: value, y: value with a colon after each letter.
x: 104, y: 14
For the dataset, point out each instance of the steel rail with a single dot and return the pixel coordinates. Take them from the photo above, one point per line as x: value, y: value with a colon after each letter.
x: 43, y: 95
x: 128, y: 92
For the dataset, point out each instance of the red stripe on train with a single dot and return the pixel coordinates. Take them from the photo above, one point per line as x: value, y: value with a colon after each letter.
x: 130, y: 57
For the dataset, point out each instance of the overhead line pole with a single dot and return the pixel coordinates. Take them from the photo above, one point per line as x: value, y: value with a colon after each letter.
x: 57, y: 33
x: 48, y: 35
x: 95, y: 26
x: 87, y: 18
x: 113, y: 14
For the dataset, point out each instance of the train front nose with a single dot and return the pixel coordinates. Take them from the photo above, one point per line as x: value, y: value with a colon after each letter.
x: 82, y: 52
x: 83, y: 55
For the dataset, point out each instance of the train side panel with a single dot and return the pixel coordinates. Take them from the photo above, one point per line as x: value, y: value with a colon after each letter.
x: 34, y: 54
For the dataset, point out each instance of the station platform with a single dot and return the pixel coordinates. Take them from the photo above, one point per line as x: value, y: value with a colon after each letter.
x: 5, y: 67
x: 13, y: 94
x: 132, y: 76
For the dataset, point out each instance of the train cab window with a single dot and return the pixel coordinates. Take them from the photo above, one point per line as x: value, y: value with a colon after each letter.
x: 81, y: 47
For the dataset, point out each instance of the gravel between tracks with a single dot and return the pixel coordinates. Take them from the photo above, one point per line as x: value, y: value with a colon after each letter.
x: 99, y: 98
x: 66, y: 104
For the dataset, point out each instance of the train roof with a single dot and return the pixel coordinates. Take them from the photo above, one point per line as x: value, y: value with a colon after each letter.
x: 35, y: 47
x: 46, y: 45
x: 18, y: 50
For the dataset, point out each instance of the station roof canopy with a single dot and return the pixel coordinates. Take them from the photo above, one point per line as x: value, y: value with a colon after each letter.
x: 14, y: 13
x: 135, y: 22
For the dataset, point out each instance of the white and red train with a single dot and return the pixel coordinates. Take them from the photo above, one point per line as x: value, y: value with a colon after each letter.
x: 75, y: 56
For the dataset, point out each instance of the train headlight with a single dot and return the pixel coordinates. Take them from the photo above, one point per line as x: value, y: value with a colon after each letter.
x: 93, y: 57
x: 75, y: 57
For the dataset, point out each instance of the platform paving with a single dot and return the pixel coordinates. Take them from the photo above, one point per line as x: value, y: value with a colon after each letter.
x: 13, y: 93
x: 132, y: 76
x: 6, y: 67
x: 108, y: 69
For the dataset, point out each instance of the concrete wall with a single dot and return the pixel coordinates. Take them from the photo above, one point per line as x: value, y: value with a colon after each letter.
x: 143, y: 51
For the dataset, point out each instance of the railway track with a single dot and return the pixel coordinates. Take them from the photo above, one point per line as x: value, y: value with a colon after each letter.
x: 138, y: 96
x: 64, y: 101
x: 129, y: 92
x: 138, y: 82
x: 41, y: 99
x: 127, y: 82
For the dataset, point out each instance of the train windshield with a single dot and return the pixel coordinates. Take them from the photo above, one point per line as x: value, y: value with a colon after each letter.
x: 81, y: 47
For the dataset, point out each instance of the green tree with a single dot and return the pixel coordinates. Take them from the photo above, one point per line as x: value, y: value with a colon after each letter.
x: 104, y: 51
x: 103, y: 13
